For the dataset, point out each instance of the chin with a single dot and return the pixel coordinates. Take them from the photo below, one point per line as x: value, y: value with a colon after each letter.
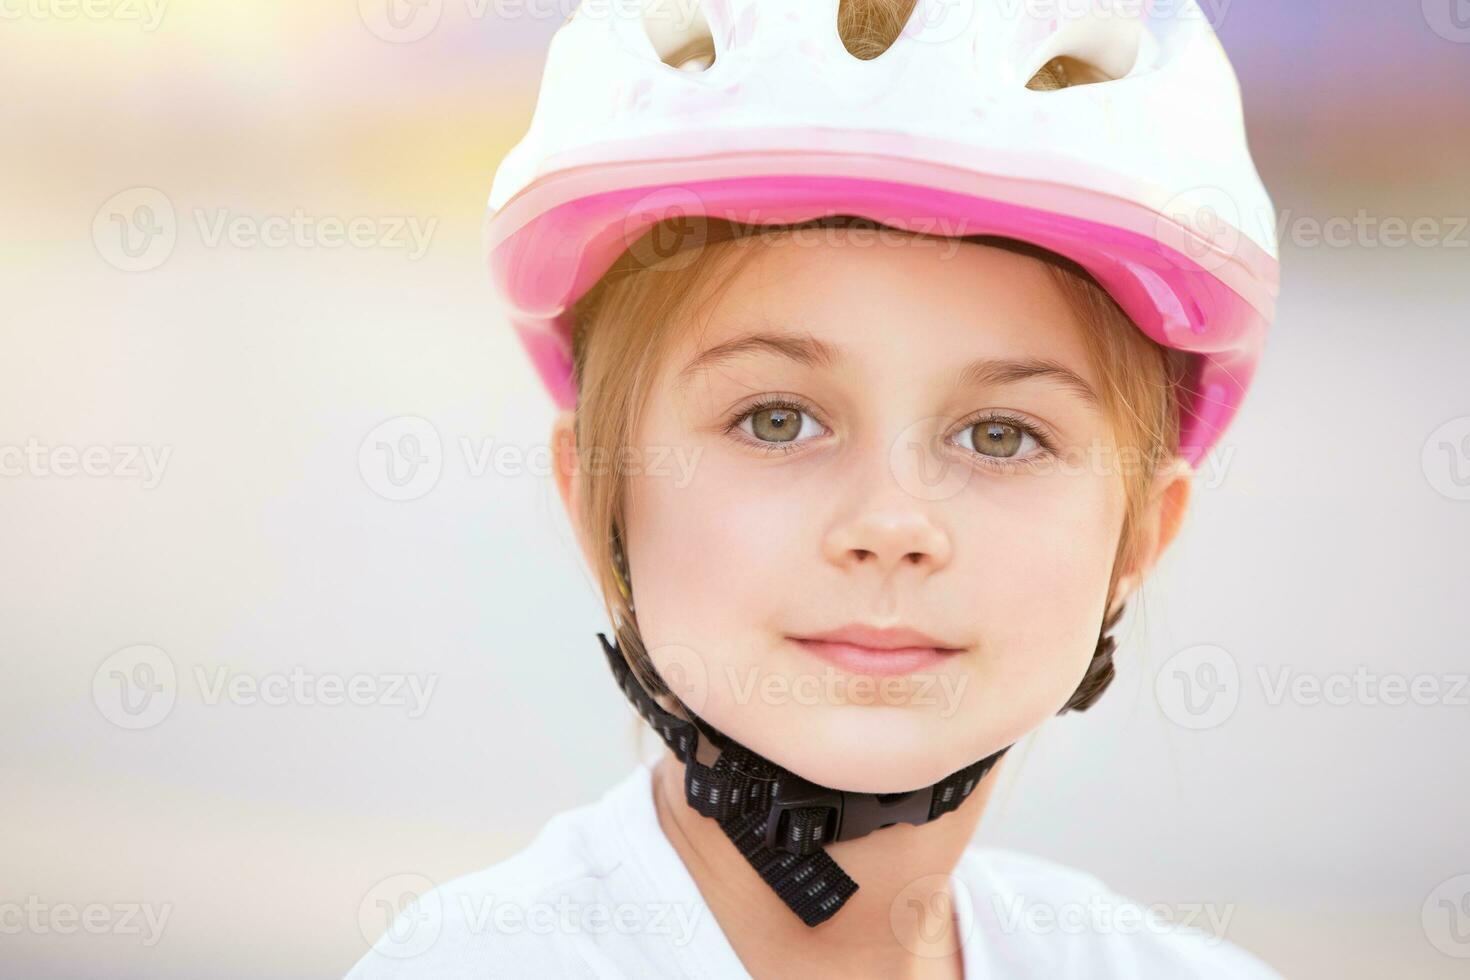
x: 870, y: 749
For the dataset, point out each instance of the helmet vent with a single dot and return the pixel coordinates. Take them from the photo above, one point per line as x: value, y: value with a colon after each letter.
x: 1066, y: 72
x: 679, y: 33
x: 1102, y: 45
x: 869, y: 27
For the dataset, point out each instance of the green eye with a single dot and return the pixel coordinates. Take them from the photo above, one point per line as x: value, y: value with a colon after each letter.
x: 998, y: 439
x: 776, y: 424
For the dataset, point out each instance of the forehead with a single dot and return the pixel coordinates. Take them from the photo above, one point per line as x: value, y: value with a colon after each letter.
x: 892, y: 303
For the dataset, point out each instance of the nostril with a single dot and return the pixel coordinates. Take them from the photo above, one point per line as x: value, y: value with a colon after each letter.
x: 679, y: 33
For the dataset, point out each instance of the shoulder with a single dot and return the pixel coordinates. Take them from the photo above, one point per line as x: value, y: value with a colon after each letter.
x: 1058, y: 921
x: 497, y: 922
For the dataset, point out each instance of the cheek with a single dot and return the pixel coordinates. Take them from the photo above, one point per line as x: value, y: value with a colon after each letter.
x: 719, y: 565
x: 1039, y: 556
x: 717, y: 555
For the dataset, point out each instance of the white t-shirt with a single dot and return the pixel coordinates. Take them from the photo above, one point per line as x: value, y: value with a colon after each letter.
x: 600, y: 892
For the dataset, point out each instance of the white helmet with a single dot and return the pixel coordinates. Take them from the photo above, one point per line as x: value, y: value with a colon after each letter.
x: 1143, y: 177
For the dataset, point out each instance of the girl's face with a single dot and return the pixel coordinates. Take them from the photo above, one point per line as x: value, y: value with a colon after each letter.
x: 890, y: 434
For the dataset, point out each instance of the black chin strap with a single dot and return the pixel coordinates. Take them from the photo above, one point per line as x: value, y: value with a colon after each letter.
x: 779, y: 821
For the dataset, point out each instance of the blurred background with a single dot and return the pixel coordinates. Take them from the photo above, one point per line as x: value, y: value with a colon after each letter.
x: 254, y: 682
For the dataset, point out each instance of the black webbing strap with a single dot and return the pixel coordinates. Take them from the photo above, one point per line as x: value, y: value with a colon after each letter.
x: 778, y: 821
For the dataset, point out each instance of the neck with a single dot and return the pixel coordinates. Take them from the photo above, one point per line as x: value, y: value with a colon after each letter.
x: 900, y: 923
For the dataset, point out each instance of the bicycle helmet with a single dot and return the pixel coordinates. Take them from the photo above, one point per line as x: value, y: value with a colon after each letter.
x: 1143, y: 177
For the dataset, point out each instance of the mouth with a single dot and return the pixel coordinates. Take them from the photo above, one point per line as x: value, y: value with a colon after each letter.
x: 878, y: 652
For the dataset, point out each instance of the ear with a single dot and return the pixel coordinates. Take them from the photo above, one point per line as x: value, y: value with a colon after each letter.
x: 565, y: 464
x: 1164, y: 515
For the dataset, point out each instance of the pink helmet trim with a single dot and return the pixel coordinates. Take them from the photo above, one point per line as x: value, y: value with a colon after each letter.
x: 1213, y: 298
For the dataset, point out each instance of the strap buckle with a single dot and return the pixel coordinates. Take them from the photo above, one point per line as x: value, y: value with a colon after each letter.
x: 850, y: 815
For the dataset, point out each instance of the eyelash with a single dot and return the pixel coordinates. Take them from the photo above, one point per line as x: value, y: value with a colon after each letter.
x: 1043, y: 442
x: 771, y: 401
x: 1044, y: 446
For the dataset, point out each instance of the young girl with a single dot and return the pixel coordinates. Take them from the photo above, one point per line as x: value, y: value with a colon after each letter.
x: 888, y: 335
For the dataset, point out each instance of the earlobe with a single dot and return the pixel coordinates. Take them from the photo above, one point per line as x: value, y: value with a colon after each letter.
x: 563, y: 449
x: 564, y: 469
x: 1172, y: 490
x: 1168, y: 503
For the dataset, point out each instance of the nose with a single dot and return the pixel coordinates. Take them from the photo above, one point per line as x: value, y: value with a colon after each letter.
x: 889, y: 534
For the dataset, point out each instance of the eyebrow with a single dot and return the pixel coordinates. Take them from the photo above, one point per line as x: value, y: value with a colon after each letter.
x: 808, y: 351
x: 803, y: 349
x: 988, y: 372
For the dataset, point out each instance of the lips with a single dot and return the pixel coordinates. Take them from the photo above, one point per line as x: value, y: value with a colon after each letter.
x: 881, y: 638
x: 878, y: 651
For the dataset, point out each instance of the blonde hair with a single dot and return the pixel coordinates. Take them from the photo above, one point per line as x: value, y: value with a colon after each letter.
x: 623, y: 328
